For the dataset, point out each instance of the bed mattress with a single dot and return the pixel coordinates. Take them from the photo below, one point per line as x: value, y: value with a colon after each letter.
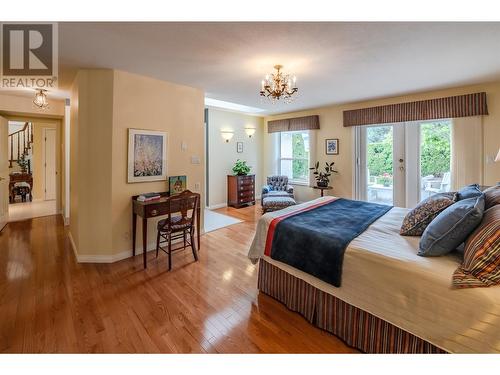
x: 383, y: 275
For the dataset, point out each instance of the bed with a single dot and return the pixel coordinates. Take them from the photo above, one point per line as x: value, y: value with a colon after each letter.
x: 391, y: 300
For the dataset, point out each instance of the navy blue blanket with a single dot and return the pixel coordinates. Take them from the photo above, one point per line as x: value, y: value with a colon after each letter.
x: 314, y: 241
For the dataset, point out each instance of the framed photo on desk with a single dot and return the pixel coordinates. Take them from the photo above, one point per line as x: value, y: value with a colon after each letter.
x: 177, y: 184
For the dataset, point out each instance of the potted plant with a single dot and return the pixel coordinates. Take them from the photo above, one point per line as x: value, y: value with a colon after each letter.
x: 241, y: 168
x: 23, y: 163
x: 322, y: 178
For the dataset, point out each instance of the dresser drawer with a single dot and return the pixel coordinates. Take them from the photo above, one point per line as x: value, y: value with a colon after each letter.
x: 246, y: 200
x: 246, y: 187
x: 245, y: 180
x: 245, y: 194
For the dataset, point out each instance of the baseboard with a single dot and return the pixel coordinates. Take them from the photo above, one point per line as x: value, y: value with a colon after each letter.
x: 221, y: 205
x: 113, y: 257
x: 89, y: 258
x: 216, y: 206
x: 73, y: 246
x: 65, y: 219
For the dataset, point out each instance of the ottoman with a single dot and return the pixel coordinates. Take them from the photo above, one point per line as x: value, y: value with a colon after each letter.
x: 274, y: 203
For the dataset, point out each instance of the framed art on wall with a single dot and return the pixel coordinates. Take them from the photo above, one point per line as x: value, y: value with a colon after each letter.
x: 147, y: 155
x: 239, y: 147
x: 332, y: 146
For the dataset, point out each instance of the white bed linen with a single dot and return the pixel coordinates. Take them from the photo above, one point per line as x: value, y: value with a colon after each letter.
x: 383, y: 274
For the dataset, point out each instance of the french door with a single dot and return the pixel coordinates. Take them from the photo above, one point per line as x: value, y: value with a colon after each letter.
x: 404, y: 163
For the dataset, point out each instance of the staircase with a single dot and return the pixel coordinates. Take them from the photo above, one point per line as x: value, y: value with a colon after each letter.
x: 20, y: 144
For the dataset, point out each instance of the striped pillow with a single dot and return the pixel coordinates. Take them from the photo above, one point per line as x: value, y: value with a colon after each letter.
x: 492, y: 196
x: 481, y: 265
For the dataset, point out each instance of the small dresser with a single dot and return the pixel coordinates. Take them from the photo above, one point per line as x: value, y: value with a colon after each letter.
x: 240, y: 190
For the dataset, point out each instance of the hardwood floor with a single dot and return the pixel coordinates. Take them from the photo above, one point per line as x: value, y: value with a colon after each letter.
x: 51, y: 304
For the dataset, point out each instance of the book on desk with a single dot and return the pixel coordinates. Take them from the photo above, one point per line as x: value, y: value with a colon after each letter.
x: 146, y: 197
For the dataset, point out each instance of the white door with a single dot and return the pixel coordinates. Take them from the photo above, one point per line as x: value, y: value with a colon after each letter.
x: 49, y: 155
x: 380, y: 175
x: 404, y: 163
x: 4, y: 173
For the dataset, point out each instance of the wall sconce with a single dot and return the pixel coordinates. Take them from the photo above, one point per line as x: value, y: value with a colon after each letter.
x: 227, y: 135
x: 250, y: 132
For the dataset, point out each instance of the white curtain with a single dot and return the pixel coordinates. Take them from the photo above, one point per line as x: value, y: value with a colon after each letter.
x: 466, y: 151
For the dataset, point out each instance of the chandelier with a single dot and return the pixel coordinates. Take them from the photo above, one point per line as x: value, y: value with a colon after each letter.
x: 40, y: 100
x: 279, y: 85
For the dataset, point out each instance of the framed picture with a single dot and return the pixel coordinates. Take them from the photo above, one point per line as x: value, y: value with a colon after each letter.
x: 147, y: 156
x: 239, y: 147
x: 177, y: 184
x: 332, y: 146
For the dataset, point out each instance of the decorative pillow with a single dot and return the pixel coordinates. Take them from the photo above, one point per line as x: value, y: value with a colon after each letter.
x: 481, y: 266
x: 492, y: 196
x: 419, y: 218
x: 469, y: 191
x: 451, y: 227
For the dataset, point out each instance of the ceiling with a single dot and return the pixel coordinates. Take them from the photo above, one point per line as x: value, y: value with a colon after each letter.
x: 333, y: 62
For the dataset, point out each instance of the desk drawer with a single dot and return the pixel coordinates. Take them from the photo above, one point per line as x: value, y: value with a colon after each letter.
x: 154, y: 210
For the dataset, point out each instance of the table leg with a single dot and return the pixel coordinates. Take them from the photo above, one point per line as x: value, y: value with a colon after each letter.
x: 321, y: 192
x: 144, y: 241
x: 198, y: 227
x: 134, y: 231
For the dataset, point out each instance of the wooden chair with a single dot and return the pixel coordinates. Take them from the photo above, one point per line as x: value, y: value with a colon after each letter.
x: 179, y: 224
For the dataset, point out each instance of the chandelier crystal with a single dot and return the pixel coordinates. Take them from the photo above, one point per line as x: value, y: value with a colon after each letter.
x: 278, y: 85
x: 40, y: 100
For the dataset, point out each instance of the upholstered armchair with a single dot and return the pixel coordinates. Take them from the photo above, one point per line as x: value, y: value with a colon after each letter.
x: 277, y: 186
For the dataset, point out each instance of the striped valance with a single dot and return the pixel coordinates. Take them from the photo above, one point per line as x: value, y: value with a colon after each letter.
x: 450, y: 107
x: 291, y: 124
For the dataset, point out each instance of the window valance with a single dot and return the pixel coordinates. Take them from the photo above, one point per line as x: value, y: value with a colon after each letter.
x: 449, y: 107
x: 291, y: 124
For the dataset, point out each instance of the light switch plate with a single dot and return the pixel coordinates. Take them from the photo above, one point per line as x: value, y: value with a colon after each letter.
x: 195, y: 159
x: 197, y: 186
x: 184, y: 146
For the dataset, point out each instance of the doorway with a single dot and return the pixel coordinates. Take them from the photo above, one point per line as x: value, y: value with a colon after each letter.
x: 401, y: 164
x: 33, y: 161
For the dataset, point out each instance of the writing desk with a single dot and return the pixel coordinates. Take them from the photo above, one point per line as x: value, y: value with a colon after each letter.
x: 153, y: 209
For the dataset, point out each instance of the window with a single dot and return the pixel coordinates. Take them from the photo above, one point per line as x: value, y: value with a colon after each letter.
x: 294, y: 156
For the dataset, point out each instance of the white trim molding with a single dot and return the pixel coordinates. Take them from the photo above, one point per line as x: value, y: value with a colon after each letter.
x: 98, y: 258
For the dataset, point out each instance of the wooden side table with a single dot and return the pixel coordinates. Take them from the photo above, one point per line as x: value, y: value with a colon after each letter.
x: 323, y: 188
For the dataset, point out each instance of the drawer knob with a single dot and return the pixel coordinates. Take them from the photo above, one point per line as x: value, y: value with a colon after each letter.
x: 154, y: 212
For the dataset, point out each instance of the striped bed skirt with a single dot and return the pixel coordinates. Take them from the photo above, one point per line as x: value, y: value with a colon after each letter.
x: 356, y: 327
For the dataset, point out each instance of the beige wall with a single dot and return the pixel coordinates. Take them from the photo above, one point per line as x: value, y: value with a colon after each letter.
x: 331, y: 123
x: 91, y: 162
x: 145, y: 103
x: 222, y: 155
x: 105, y: 104
x: 15, y: 105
